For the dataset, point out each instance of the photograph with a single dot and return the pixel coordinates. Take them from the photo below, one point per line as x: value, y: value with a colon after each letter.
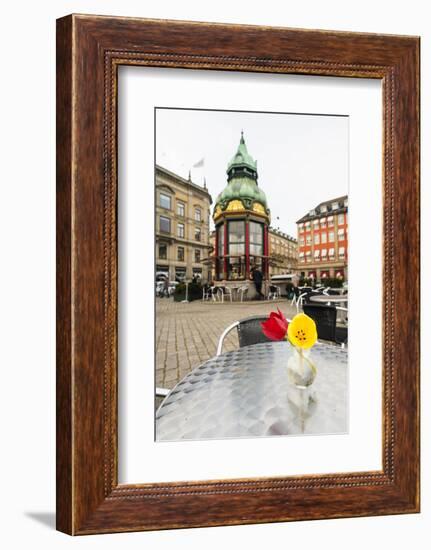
x: 251, y: 273
x: 214, y: 287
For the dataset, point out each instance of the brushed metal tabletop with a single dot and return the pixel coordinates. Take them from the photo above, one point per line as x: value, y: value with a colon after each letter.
x: 323, y: 299
x: 245, y: 393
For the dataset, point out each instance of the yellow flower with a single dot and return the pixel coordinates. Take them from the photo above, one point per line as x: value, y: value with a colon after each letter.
x: 302, y: 332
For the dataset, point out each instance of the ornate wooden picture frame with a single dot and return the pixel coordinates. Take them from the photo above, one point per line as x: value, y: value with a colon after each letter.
x: 89, y: 51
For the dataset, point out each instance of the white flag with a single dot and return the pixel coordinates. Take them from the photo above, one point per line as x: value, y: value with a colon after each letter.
x: 199, y: 164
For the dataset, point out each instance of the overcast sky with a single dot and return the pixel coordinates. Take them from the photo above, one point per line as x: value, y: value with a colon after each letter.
x: 301, y: 159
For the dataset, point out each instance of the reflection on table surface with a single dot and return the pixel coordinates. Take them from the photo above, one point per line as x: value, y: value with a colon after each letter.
x: 246, y: 393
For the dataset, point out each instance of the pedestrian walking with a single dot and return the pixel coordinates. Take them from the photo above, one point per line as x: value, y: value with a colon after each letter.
x: 257, y: 277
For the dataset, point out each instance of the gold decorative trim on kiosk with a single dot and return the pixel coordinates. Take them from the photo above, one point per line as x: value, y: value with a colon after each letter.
x: 259, y: 209
x: 217, y: 212
x: 235, y: 206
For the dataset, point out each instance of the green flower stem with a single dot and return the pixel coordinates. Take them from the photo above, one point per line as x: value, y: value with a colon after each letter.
x: 304, y: 358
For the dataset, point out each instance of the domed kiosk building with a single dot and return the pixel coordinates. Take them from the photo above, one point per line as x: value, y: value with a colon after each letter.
x: 241, y: 217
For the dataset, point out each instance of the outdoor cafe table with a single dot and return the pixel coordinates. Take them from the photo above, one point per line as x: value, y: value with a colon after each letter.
x: 246, y: 393
x: 234, y: 292
x: 323, y: 299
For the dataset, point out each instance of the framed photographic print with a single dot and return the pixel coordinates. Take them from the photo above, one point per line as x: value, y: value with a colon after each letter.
x: 237, y: 274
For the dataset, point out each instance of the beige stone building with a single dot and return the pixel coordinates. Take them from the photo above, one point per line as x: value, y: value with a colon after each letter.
x: 182, y: 227
x: 283, y: 252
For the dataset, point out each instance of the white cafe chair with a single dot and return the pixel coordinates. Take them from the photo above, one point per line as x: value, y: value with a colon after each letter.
x: 243, y: 291
x: 225, y: 290
x: 214, y: 293
x: 206, y: 293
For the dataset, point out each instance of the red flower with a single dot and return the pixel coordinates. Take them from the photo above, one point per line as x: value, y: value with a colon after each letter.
x: 275, y: 328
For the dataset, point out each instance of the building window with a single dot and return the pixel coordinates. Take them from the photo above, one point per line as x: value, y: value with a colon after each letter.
x: 341, y: 234
x: 323, y: 208
x: 236, y: 260
x: 307, y: 225
x: 164, y: 224
x: 165, y: 201
x: 256, y: 239
x: 181, y: 209
x: 316, y: 238
x: 197, y: 255
x: 301, y: 241
x: 335, y: 206
x: 197, y: 233
x: 316, y: 223
x: 330, y: 221
x: 300, y: 226
x: 308, y: 239
x: 163, y: 251
x: 180, y: 230
x: 323, y: 222
x: 317, y: 255
x: 220, y: 251
x: 220, y: 240
x: 180, y: 274
x: 308, y: 255
x: 236, y: 238
x: 331, y: 253
x: 198, y: 214
x: 340, y: 219
x: 323, y: 238
x: 324, y: 253
x: 341, y: 252
x: 180, y: 253
x: 331, y: 237
x: 197, y: 273
x: 162, y: 270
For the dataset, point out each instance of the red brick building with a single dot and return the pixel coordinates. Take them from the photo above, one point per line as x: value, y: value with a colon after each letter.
x: 323, y: 240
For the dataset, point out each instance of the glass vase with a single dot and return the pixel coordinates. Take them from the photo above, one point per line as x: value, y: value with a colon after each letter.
x: 301, y: 371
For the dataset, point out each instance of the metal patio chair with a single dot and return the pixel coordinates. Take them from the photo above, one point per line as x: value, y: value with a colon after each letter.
x: 206, y: 293
x: 343, y: 318
x: 214, y: 293
x: 249, y: 332
x: 325, y: 318
x: 333, y: 292
x: 296, y: 294
x: 274, y: 292
x: 303, y: 298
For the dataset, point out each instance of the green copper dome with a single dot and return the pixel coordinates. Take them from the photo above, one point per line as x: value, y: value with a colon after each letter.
x: 242, y: 161
x: 243, y: 189
x: 242, y: 183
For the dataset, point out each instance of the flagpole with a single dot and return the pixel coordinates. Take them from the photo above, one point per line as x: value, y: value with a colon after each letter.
x: 200, y: 164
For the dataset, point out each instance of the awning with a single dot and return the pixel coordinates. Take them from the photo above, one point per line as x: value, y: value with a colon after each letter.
x: 282, y: 276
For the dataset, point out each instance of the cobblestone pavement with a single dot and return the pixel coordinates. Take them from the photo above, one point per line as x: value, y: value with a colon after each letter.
x: 188, y: 334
